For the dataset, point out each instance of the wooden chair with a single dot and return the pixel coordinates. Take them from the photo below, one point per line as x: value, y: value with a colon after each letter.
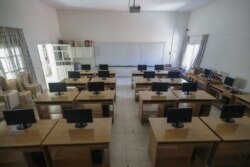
x: 9, y: 97
x: 30, y: 84
x: 25, y: 95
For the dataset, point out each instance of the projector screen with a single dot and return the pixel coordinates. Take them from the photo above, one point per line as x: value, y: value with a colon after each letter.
x: 129, y: 53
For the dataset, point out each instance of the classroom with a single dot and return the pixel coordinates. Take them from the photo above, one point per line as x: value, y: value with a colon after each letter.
x: 125, y: 83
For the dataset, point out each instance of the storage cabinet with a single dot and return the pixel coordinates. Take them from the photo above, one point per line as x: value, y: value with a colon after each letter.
x: 61, y: 60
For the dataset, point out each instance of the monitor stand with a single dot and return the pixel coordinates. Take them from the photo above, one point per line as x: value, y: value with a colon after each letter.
x: 23, y: 126
x: 187, y: 93
x: 228, y: 120
x: 158, y: 93
x: 59, y: 93
x: 226, y: 87
x: 178, y: 125
x: 172, y: 79
x: 81, y: 125
x: 148, y: 79
x: 75, y: 79
x: 96, y: 92
x: 104, y: 78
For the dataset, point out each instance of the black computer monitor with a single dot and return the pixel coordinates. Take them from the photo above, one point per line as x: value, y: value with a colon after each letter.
x: 159, y: 87
x: 159, y: 67
x: 174, y: 74
x: 74, y: 74
x: 85, y: 67
x: 177, y: 116
x: 96, y: 87
x: 231, y: 111
x: 228, y: 82
x: 149, y: 74
x: 21, y: 117
x: 103, y: 74
x: 142, y: 67
x: 207, y: 72
x: 77, y: 66
x: 58, y: 87
x: 81, y: 117
x: 103, y: 67
x: 189, y: 87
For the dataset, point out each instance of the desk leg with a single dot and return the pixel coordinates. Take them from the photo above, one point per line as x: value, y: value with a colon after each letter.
x: 47, y: 156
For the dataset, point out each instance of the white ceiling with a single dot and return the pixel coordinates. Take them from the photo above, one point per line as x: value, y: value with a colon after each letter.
x: 122, y: 5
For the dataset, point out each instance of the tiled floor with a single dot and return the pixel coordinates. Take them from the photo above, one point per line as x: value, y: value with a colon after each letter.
x: 130, y: 138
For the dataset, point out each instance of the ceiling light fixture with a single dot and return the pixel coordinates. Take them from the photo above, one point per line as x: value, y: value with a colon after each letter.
x: 134, y: 9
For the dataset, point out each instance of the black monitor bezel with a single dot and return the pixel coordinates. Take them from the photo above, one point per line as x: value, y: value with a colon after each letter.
x: 142, y: 67
x: 81, y: 117
x: 228, y: 112
x: 178, y: 116
x: 159, y: 67
x: 85, y: 67
x: 103, y: 67
x: 24, y: 118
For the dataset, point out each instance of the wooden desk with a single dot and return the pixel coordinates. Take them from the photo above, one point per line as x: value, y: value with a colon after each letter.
x: 94, y: 73
x: 143, y: 84
x: 105, y: 98
x: 46, y: 99
x: 187, y: 146
x: 26, y: 141
x: 70, y: 146
x: 149, y: 97
x: 80, y: 83
x: 234, y: 149
x: 176, y: 83
x: 200, y: 101
x: 204, y: 82
x: 245, y: 100
x: 218, y: 91
x: 109, y: 83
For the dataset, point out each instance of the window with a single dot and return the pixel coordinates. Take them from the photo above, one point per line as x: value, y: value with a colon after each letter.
x: 11, y: 64
x: 190, y: 55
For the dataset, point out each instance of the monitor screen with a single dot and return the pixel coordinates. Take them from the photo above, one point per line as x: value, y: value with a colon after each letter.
x: 207, y: 72
x: 148, y: 74
x: 159, y: 67
x: 177, y: 116
x: 21, y: 117
x: 142, y: 67
x: 103, y: 73
x: 189, y: 87
x: 96, y: 87
x: 77, y: 66
x: 159, y: 87
x: 229, y: 82
x: 58, y: 87
x: 74, y: 74
x: 174, y: 74
x: 103, y: 66
x: 85, y: 67
x: 79, y: 116
x: 232, y: 111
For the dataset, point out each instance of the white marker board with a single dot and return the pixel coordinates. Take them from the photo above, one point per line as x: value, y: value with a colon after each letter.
x: 129, y: 53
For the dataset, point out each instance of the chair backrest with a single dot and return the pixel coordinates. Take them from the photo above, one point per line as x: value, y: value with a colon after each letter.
x: 12, y: 84
x: 26, y: 77
x: 3, y: 84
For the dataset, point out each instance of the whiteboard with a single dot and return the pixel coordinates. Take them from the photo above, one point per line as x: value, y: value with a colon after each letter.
x: 129, y: 53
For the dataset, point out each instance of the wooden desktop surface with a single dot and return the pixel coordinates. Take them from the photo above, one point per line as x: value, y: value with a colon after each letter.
x: 136, y: 72
x: 79, y: 81
x: 245, y: 98
x: 203, y: 79
x: 88, y: 72
x: 152, y: 96
x: 196, y: 131
x: 238, y: 131
x: 89, y: 96
x: 33, y: 136
x: 66, y: 134
x: 48, y: 97
x: 140, y: 80
x: 176, y: 81
x: 106, y: 81
x: 200, y: 95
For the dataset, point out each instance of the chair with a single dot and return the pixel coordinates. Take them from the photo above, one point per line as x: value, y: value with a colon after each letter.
x: 25, y: 95
x: 30, y: 84
x: 2, y: 108
x: 9, y: 97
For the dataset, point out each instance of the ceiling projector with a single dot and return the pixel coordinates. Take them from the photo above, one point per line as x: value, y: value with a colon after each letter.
x: 134, y: 9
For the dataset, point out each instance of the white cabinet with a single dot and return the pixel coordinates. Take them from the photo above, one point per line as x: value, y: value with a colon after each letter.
x: 61, y: 60
x: 83, y: 55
